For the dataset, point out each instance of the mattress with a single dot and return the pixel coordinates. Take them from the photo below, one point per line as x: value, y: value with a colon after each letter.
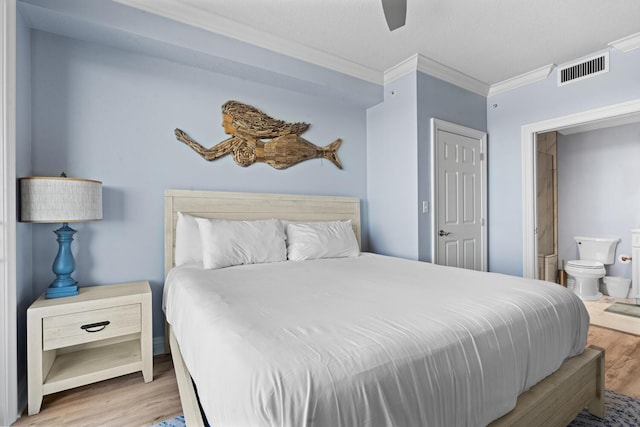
x: 367, y: 341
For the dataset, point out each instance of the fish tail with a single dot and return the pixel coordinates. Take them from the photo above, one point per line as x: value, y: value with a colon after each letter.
x: 330, y: 152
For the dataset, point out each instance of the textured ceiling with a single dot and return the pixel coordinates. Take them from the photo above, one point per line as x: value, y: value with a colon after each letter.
x: 490, y: 40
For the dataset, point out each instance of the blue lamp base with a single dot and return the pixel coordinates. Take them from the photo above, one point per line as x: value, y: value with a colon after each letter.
x: 63, y: 265
x: 67, y: 291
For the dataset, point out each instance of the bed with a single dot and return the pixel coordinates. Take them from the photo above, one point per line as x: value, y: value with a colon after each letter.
x: 329, y: 366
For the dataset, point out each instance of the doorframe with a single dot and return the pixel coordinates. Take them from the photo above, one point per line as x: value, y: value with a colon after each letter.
x: 437, y: 125
x: 528, y: 144
x: 8, y: 321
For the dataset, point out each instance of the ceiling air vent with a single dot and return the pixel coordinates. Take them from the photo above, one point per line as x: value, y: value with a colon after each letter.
x: 583, y: 69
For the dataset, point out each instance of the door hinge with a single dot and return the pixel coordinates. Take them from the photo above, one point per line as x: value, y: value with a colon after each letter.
x: 482, y: 222
x: 481, y: 157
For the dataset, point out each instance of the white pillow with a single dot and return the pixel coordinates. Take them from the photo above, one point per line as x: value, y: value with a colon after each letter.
x: 188, y: 245
x: 226, y: 243
x: 313, y: 240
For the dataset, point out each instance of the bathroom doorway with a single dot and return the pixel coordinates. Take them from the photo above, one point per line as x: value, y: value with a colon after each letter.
x: 626, y: 112
x: 585, y: 187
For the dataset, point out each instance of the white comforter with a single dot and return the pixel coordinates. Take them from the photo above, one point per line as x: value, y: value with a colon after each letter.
x: 367, y: 341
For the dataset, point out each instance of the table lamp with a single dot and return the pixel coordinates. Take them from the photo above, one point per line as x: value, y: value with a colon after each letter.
x: 65, y: 200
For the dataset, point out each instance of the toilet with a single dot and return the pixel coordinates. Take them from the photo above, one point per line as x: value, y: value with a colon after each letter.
x: 595, y: 253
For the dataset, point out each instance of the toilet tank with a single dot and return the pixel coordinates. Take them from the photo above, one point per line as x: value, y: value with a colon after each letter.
x: 597, y: 248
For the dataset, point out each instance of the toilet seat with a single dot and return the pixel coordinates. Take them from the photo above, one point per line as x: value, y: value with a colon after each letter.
x: 586, y: 264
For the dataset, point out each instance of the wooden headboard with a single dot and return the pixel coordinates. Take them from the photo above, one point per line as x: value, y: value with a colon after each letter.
x: 252, y: 206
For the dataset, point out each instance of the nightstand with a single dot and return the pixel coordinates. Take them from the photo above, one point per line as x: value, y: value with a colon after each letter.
x: 101, y: 333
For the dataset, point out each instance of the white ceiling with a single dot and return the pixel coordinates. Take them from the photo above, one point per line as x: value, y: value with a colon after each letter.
x: 489, y: 40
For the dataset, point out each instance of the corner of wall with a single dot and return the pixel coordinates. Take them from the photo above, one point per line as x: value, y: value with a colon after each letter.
x: 24, y: 263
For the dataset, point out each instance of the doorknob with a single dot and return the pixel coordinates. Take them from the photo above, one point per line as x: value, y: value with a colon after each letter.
x: 444, y: 233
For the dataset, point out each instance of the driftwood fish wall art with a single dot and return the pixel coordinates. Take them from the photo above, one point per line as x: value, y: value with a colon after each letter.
x: 256, y: 137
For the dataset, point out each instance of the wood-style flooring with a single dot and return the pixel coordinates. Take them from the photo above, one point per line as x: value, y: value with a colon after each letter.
x: 123, y: 401
x: 621, y: 359
x: 128, y: 401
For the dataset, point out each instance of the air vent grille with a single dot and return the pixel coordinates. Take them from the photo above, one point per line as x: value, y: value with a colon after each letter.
x: 584, y: 69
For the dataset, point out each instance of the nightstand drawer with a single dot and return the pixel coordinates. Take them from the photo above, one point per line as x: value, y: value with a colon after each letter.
x: 88, y: 326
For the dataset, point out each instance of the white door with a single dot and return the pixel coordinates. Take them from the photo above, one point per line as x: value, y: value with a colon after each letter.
x: 459, y: 196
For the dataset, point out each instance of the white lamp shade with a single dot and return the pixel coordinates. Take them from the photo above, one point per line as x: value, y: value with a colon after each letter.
x: 52, y: 199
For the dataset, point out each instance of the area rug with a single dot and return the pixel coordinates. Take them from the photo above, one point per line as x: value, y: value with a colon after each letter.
x: 624, y: 309
x: 172, y: 422
x: 620, y: 411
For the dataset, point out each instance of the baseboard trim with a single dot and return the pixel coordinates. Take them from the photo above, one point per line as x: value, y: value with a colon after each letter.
x: 22, y: 395
x: 158, y: 345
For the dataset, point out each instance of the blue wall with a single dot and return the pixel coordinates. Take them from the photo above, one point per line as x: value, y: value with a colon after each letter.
x: 103, y: 104
x: 539, y: 101
x: 24, y: 267
x: 440, y: 100
x: 105, y: 113
x: 108, y: 114
x: 598, y: 191
x: 399, y: 158
x: 109, y: 23
x: 392, y: 170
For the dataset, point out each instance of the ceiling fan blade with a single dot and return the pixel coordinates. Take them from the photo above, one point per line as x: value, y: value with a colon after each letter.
x: 396, y: 13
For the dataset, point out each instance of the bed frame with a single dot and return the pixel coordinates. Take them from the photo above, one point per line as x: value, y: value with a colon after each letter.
x: 554, y: 401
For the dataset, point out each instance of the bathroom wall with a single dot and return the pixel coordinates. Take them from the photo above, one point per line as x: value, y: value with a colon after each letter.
x: 598, y: 191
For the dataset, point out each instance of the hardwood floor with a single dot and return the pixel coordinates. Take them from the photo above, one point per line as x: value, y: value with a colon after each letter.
x: 123, y: 401
x: 128, y: 401
x: 622, y: 359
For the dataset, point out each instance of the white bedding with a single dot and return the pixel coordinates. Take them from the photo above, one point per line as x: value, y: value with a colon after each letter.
x: 367, y: 341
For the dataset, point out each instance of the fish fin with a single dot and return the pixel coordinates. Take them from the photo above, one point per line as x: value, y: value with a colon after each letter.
x: 331, y: 152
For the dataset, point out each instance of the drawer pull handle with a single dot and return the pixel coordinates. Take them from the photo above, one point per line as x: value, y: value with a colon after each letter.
x: 92, y: 326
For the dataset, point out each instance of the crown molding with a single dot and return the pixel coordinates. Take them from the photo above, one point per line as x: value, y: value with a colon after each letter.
x: 401, y: 69
x: 182, y: 12
x: 521, y: 80
x: 453, y: 76
x: 626, y: 44
x: 435, y: 69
